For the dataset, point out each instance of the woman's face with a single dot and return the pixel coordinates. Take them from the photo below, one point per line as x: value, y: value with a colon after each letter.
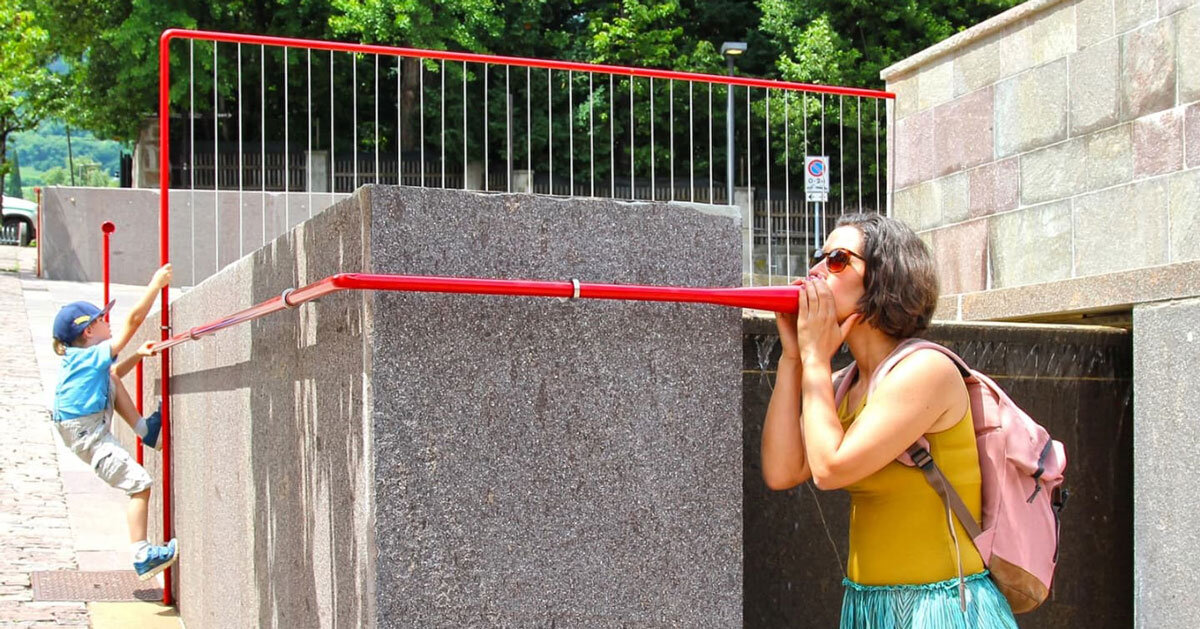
x: 847, y: 284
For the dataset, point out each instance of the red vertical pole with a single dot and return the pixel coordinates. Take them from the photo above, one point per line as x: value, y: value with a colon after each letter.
x: 138, y: 378
x: 107, y: 228
x: 164, y: 255
x: 38, y: 191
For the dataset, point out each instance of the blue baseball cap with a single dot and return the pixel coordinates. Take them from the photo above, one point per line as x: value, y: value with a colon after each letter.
x: 73, y: 318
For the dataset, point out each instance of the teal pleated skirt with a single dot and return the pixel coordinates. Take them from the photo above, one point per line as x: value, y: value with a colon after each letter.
x: 926, y: 606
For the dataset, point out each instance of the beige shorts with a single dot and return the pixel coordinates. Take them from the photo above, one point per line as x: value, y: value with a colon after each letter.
x: 89, y: 438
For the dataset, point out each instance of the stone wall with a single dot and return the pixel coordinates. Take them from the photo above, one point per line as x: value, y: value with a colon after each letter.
x: 1058, y: 140
x: 1075, y: 380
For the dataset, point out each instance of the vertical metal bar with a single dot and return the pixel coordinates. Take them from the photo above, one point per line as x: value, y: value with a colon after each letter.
x: 308, y: 157
x: 421, y: 114
x: 508, y: 134
x: 729, y: 147
x: 287, y: 210
x: 858, y: 135
x: 443, y: 73
x: 400, y: 122
x: 529, y: 129
x: 375, y: 179
x: 787, y: 187
x: 749, y: 192
x: 240, y: 150
x: 767, y: 153
x: 354, y: 100
x: 612, y: 144
x: 485, y: 127
x: 710, y: 145
x: 262, y: 136
x: 671, y: 131
x: 817, y: 215
x: 691, y: 144
x: 332, y: 138
x: 841, y: 156
x: 192, y: 146
x: 878, y: 167
x: 464, y: 109
x: 804, y: 127
x: 571, y: 128
x: 550, y: 124
x: 592, y: 129
x: 216, y: 169
x: 653, y: 176
x: 632, y: 187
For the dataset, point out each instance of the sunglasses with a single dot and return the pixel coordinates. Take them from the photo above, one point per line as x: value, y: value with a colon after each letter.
x: 836, y: 260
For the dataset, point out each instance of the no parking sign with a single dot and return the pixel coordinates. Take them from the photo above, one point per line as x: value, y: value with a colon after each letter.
x: 816, y: 178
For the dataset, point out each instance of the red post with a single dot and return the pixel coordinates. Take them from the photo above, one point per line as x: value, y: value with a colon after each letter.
x: 138, y: 399
x: 164, y: 255
x: 107, y: 228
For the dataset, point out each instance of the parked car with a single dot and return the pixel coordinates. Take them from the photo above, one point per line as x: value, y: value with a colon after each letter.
x: 17, y: 211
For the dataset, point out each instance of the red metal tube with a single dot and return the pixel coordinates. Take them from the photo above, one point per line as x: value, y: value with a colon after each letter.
x: 524, y: 62
x: 773, y: 298
x: 106, y: 228
x: 164, y: 255
x: 138, y: 377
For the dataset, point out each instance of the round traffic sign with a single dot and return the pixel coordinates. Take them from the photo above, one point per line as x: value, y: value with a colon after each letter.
x: 816, y: 168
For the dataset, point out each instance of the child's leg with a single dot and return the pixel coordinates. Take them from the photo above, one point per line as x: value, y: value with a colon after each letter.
x: 123, y: 403
x: 136, y: 514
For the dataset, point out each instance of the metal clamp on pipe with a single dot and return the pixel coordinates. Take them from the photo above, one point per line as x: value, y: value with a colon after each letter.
x: 284, y: 297
x: 575, y: 288
x: 192, y: 335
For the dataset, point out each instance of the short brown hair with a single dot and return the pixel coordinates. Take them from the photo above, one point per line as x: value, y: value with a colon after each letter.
x: 900, y: 284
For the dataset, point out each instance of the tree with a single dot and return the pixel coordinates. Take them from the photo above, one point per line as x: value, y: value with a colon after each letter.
x: 29, y: 91
x: 13, y: 187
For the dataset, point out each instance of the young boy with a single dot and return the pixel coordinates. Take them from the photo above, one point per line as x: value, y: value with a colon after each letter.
x: 89, y: 390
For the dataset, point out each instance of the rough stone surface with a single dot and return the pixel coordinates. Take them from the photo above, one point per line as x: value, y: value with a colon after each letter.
x: 1121, y: 228
x: 914, y: 153
x: 1147, y: 70
x: 994, y: 187
x: 1130, y: 14
x: 1053, y: 33
x: 1191, y: 134
x: 1078, y: 165
x: 1095, y: 87
x: 906, y: 91
x: 1093, y: 22
x: 1016, y: 48
x: 963, y: 132
x: 1185, y: 215
x: 541, y: 462
x: 1076, y: 380
x: 1031, y: 109
x: 1165, y: 436
x: 953, y: 196
x: 1158, y: 144
x: 935, y: 84
x: 1167, y: 7
x: 961, y: 253
x: 1043, y: 228
x: 1187, y: 32
x: 918, y: 206
x: 978, y: 66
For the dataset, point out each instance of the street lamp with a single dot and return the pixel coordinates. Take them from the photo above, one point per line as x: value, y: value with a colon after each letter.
x: 730, y: 49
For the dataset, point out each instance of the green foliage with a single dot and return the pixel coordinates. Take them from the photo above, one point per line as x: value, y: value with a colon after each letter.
x: 45, y: 147
x: 28, y: 90
x: 12, y: 186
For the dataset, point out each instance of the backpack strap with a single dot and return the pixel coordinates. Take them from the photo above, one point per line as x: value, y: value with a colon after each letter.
x: 936, y: 479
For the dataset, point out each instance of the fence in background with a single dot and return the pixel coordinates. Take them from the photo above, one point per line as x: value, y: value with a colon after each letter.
x: 251, y: 113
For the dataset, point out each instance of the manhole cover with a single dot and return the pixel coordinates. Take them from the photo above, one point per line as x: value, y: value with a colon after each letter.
x: 115, y: 585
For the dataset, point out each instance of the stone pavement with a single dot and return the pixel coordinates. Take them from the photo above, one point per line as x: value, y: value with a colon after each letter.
x: 55, y: 514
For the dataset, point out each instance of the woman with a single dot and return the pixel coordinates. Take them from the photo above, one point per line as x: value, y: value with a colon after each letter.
x: 872, y: 286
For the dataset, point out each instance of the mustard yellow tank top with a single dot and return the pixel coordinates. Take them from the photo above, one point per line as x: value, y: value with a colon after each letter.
x: 898, y: 529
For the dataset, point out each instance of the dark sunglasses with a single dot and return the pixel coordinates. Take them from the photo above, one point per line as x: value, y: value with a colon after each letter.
x: 836, y: 260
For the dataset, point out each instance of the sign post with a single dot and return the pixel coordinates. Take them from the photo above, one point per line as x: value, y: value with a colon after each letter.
x: 816, y: 190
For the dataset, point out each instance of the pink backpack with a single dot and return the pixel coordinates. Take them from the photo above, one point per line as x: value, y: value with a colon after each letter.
x: 1022, y: 472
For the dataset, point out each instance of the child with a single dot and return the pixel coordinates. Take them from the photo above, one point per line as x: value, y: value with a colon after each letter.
x: 89, y: 390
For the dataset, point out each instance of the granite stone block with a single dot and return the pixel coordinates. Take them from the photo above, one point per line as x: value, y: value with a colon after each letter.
x: 1187, y: 29
x: 918, y: 206
x: 1121, y: 228
x: 1185, y: 215
x: 1158, y: 144
x: 953, y: 197
x: 935, y: 84
x: 1077, y: 165
x: 994, y: 187
x: 961, y: 252
x: 1165, y: 436
x: 1191, y: 135
x: 1095, y: 87
x: 1031, y: 109
x: 906, y: 91
x: 914, y: 154
x: 540, y: 461
x: 979, y: 65
x: 1045, y: 229
x: 963, y: 134
x: 1148, y: 70
x: 1053, y: 34
x: 1093, y: 22
x: 1131, y: 14
x: 1016, y: 48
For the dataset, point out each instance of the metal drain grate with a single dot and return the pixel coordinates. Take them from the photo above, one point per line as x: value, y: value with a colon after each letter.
x: 72, y: 585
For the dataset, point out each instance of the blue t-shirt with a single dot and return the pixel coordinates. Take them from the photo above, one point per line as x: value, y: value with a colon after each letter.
x: 83, y: 381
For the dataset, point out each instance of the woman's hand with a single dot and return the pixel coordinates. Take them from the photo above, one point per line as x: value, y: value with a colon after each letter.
x: 818, y: 333
x: 786, y: 323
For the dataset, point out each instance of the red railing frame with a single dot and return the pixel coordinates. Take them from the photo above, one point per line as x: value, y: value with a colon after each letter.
x: 106, y: 230
x: 332, y: 284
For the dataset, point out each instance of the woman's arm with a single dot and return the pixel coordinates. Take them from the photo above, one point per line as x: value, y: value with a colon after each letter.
x: 783, y: 461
